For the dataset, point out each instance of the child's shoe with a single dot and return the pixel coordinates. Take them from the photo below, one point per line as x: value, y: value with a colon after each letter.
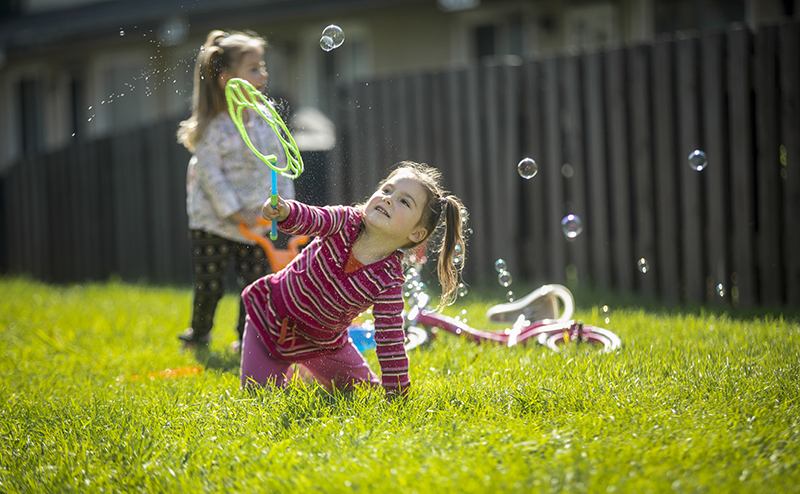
x: 192, y: 341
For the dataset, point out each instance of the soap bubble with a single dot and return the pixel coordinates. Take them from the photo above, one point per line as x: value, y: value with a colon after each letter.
x: 504, y: 278
x: 462, y: 290
x: 326, y: 43
x: 572, y: 226
x: 335, y: 34
x: 500, y: 265
x: 605, y: 313
x: 527, y: 168
x: 643, y: 265
x: 510, y: 296
x: 697, y: 160
x: 721, y: 290
x: 121, y: 32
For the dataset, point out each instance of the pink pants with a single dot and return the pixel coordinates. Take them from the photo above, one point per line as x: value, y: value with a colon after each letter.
x: 342, y: 369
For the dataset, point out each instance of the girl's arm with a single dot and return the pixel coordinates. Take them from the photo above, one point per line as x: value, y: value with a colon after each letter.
x: 390, y: 341
x: 296, y: 218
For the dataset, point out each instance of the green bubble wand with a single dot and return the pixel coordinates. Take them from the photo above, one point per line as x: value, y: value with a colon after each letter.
x: 240, y: 95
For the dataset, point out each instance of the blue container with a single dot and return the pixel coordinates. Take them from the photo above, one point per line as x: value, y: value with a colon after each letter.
x: 363, y: 336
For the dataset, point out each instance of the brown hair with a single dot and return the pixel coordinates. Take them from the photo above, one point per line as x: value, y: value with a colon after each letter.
x: 443, y: 211
x: 221, y: 52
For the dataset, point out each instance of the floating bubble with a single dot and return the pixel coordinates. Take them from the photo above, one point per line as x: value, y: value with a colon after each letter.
x: 697, y: 160
x: 643, y: 265
x: 504, y: 278
x: 500, y: 265
x: 121, y: 32
x: 527, y: 168
x: 510, y: 296
x: 335, y: 34
x: 721, y: 290
x: 326, y: 43
x: 462, y: 290
x: 605, y: 313
x: 412, y: 275
x: 572, y: 226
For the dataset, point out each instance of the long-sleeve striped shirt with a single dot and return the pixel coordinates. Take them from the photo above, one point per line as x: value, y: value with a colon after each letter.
x: 321, y: 300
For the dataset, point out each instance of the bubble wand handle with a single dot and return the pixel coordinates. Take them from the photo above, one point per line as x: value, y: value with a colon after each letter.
x: 273, y: 200
x: 241, y: 95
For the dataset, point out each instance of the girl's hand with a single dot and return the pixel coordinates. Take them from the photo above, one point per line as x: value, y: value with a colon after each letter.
x: 279, y: 212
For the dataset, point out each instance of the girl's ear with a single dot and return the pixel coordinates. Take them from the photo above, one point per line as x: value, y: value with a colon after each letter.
x: 419, y: 235
x: 223, y: 78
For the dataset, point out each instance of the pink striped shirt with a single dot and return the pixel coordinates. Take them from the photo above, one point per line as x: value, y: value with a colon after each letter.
x: 321, y: 299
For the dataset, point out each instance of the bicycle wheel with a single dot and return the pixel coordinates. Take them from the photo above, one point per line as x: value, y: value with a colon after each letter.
x: 609, y: 341
x: 415, y: 337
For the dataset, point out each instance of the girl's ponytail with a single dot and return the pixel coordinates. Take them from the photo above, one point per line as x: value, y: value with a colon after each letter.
x: 452, y: 247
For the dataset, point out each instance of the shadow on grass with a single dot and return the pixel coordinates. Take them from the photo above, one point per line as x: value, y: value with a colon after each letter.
x: 221, y: 361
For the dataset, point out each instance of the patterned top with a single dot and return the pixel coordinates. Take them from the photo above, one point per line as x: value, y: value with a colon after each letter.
x: 321, y: 300
x: 225, y: 176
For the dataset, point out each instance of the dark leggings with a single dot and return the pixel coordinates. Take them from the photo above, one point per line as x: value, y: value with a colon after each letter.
x: 211, y: 255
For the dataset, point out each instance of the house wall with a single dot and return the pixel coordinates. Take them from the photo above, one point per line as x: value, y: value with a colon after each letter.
x: 133, y: 75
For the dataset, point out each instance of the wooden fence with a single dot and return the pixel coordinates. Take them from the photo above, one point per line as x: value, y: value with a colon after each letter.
x: 116, y: 205
x: 610, y: 131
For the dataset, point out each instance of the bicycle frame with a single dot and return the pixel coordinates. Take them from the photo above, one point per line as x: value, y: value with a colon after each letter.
x: 548, y: 332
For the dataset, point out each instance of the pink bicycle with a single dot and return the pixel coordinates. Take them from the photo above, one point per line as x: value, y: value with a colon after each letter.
x: 535, y: 317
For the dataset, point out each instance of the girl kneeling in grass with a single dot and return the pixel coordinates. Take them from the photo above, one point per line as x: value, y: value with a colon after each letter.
x: 301, y: 313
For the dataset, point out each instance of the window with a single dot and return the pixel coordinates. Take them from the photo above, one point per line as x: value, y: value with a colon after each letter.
x: 676, y: 15
x: 502, y: 37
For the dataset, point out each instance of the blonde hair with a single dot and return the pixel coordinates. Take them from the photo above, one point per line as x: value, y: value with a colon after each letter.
x: 443, y: 212
x: 222, y: 52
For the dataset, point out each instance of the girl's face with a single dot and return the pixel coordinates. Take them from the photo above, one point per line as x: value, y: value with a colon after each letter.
x: 251, y: 68
x: 395, y: 209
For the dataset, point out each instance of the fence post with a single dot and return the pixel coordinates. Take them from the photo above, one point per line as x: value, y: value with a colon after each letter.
x: 742, y: 176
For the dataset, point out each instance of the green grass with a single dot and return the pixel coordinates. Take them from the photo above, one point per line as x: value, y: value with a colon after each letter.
x: 696, y: 401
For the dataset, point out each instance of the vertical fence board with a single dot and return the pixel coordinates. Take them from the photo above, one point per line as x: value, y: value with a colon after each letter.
x: 790, y: 171
x: 40, y: 205
x: 508, y: 176
x: 420, y: 118
x: 12, y: 202
x: 158, y: 164
x: 389, y: 143
x: 596, y: 167
x: 179, y: 164
x: 741, y: 157
x: 574, y: 150
x: 666, y: 172
x: 623, y: 259
x: 474, y: 202
x: 770, y: 282
x: 642, y: 161
x: 129, y: 215
x: 551, y: 170
x: 492, y: 167
x: 691, y: 180
x: 402, y: 117
x: 370, y: 166
x: 337, y: 182
x: 716, y: 190
x: 535, y: 246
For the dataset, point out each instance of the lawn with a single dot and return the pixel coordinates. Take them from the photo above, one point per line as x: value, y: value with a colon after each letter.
x: 697, y: 400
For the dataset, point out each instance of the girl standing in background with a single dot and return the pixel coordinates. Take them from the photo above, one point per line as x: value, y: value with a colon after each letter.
x: 226, y: 182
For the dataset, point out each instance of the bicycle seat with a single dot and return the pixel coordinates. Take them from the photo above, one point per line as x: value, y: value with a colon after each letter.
x: 540, y: 304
